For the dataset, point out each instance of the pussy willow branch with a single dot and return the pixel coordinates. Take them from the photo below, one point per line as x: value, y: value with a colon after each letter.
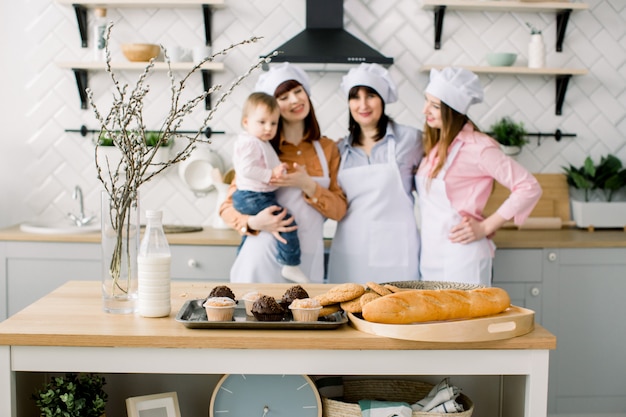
x: 124, y: 124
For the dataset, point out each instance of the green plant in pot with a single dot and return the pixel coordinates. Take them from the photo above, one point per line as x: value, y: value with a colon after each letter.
x: 72, y: 395
x: 608, y: 176
x: 509, y: 134
x: 151, y: 138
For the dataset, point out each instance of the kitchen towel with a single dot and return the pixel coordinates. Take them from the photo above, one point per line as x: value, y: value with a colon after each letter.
x: 374, y: 408
x: 440, y: 399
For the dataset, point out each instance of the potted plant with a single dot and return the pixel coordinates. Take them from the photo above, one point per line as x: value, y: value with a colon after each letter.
x: 72, y: 395
x: 593, y: 191
x: 510, y: 135
x: 152, y: 138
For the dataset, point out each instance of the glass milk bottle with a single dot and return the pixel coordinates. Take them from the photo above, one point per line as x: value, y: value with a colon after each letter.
x: 153, y: 269
x: 99, y: 34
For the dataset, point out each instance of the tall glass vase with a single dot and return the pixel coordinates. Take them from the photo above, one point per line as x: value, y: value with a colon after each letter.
x: 120, y: 245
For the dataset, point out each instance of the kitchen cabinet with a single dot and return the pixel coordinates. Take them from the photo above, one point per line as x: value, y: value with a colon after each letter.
x: 583, y: 299
x: 578, y: 295
x: 81, y: 69
x: 29, y: 270
x: 520, y: 272
x: 78, y: 337
x: 562, y: 76
x: 562, y: 10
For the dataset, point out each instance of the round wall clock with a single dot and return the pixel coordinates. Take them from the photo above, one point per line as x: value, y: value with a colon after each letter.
x: 265, y: 396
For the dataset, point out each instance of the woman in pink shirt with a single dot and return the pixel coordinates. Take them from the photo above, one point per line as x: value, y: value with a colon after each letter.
x: 454, y: 182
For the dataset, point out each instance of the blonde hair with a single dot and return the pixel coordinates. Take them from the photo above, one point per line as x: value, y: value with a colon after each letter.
x: 452, y: 122
x: 259, y: 99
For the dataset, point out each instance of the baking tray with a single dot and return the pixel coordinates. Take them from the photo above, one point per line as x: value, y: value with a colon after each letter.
x: 193, y: 316
x: 514, y: 321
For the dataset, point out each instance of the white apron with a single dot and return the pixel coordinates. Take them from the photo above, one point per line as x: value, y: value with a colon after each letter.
x: 378, y: 239
x: 256, y: 261
x: 442, y: 260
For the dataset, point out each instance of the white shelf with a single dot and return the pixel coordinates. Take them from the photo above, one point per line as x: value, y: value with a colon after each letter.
x: 141, y: 3
x: 139, y: 66
x: 562, y: 76
x: 512, y: 70
x: 562, y: 9
x: 504, y: 6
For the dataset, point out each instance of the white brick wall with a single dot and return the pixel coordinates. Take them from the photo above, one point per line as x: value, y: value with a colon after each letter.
x: 40, y: 163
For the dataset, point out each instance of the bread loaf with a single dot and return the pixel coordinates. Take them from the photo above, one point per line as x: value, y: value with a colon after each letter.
x: 417, y: 306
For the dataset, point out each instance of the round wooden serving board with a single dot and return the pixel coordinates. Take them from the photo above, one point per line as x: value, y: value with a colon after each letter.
x: 514, y: 321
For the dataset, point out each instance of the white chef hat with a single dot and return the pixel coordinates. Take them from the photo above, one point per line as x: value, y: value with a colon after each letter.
x: 269, y: 81
x: 374, y: 76
x: 457, y: 87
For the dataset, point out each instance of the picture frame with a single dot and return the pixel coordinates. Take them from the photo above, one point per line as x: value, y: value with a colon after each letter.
x: 155, y: 405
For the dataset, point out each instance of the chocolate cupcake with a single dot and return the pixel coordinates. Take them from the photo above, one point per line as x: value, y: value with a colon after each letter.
x: 265, y: 308
x: 293, y: 293
x: 222, y: 291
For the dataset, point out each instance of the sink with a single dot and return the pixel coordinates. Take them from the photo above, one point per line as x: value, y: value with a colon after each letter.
x: 58, y: 228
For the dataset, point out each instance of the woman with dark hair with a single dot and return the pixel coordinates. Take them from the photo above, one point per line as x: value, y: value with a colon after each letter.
x: 378, y: 239
x: 309, y: 190
x: 455, y: 180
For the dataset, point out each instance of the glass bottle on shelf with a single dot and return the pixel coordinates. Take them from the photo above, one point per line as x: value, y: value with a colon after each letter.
x: 153, y: 269
x: 99, y: 34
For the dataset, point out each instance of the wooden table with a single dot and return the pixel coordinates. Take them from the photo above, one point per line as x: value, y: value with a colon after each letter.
x: 66, y: 331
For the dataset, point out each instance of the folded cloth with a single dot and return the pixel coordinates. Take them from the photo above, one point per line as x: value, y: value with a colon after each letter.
x: 440, y: 399
x: 374, y: 408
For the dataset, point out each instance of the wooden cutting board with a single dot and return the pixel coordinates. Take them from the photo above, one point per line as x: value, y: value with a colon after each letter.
x: 554, y: 201
x: 515, y: 321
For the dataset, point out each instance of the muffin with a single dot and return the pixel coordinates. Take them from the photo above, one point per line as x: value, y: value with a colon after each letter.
x: 305, y: 309
x: 265, y: 308
x: 249, y: 299
x: 293, y: 293
x: 222, y: 291
x: 219, y: 308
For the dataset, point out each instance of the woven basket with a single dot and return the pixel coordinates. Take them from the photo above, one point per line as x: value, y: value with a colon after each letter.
x: 386, y: 390
x: 434, y: 285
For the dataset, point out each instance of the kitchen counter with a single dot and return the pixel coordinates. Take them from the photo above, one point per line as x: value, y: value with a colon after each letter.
x: 504, y: 238
x: 208, y: 236
x: 68, y: 331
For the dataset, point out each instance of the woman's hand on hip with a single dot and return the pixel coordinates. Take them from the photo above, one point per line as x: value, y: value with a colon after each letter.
x: 272, y: 220
x: 298, y: 177
x: 469, y: 230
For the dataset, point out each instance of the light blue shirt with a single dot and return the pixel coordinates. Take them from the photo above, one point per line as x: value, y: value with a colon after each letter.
x: 409, y: 151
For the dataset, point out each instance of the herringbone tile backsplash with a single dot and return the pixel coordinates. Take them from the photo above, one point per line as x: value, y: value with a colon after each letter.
x: 43, y: 162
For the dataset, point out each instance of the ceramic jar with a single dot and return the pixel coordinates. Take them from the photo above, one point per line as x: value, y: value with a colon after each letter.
x: 536, y: 52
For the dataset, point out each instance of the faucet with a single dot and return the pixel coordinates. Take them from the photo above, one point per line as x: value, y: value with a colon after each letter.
x: 79, y: 220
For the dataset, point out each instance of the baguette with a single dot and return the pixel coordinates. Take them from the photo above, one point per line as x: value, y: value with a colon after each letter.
x: 418, y: 306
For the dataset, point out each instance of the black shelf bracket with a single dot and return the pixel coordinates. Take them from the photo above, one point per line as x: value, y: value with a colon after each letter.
x: 562, y: 17
x: 440, y: 12
x: 561, y: 25
x: 207, y: 79
x: 207, y: 12
x: 81, y: 83
x: 561, y: 89
x: 81, y: 18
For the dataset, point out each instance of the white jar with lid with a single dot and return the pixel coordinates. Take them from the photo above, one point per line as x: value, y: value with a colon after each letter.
x: 536, y: 51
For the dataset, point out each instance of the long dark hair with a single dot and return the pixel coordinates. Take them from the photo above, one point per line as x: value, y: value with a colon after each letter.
x: 355, y: 128
x: 311, y: 126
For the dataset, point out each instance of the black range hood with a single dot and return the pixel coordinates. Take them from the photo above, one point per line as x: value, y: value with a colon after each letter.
x: 324, y: 41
